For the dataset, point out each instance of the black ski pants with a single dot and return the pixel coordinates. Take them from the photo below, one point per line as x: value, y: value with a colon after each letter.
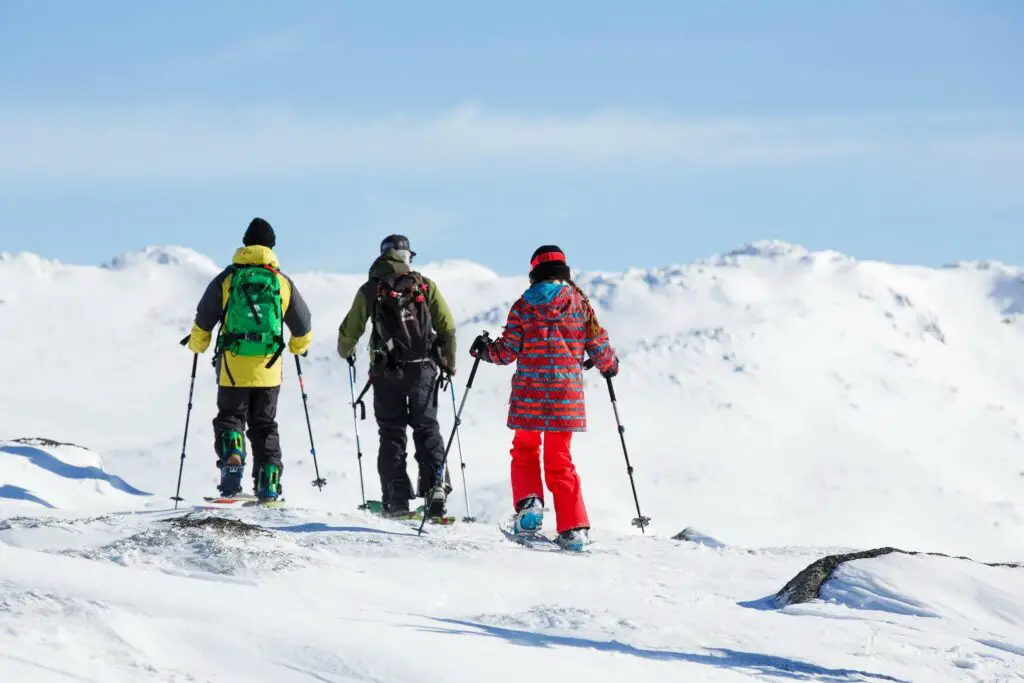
x: 403, y: 400
x: 257, y: 408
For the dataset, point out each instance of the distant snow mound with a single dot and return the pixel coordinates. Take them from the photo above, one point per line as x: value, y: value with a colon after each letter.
x: 775, y: 250
x: 41, y: 473
x: 26, y: 263
x: 162, y: 256
x: 458, y: 269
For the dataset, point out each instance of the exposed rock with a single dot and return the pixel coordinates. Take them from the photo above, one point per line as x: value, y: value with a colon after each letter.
x: 806, y: 586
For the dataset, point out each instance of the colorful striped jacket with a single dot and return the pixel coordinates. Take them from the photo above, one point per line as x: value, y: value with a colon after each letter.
x: 548, y: 332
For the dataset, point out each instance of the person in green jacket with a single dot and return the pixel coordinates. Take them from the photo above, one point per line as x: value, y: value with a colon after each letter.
x: 412, y: 341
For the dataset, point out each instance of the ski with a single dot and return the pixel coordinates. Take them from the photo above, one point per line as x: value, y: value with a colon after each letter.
x: 242, y: 500
x: 376, y: 508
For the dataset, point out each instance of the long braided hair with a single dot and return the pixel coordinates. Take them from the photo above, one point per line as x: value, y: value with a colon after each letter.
x: 593, y: 326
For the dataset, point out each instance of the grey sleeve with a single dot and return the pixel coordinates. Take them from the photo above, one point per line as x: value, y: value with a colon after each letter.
x: 298, y: 318
x: 211, y: 305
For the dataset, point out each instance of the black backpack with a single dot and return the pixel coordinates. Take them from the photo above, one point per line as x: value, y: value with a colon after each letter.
x: 402, y: 322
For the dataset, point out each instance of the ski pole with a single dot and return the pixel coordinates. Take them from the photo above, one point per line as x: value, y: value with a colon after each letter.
x: 319, y: 481
x: 188, y: 416
x: 355, y: 422
x: 640, y: 520
x: 455, y: 430
x: 462, y: 463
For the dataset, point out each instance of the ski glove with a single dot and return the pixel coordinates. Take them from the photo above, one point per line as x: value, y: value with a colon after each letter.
x: 612, y: 370
x: 481, y: 348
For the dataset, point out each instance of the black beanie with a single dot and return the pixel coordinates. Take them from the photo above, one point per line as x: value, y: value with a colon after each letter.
x: 548, y: 263
x: 260, y: 233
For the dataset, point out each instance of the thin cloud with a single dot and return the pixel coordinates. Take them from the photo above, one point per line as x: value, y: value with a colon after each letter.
x: 267, y: 143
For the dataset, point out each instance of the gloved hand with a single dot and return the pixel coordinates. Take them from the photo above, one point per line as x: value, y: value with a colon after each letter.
x: 612, y: 371
x: 351, y: 360
x: 479, y: 348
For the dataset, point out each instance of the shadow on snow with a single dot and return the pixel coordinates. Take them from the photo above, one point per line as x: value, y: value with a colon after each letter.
x: 768, y: 665
x: 17, y: 493
x: 48, y: 462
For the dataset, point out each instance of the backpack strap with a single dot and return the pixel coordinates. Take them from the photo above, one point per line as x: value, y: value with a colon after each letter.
x: 218, y: 354
x: 280, y: 338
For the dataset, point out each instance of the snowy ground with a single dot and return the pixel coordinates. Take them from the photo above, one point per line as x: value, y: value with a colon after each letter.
x: 342, y: 597
x: 792, y: 404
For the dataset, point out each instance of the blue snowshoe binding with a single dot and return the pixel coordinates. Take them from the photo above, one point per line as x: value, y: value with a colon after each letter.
x: 231, y: 464
x: 529, y: 516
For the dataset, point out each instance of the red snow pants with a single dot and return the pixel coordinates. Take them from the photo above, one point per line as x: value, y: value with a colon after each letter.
x: 560, y: 473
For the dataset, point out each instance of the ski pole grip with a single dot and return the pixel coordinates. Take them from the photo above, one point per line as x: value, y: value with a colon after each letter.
x: 476, y: 363
x: 184, y: 342
x: 611, y: 388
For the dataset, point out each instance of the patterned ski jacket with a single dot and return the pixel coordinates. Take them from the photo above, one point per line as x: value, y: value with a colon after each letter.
x: 547, y: 332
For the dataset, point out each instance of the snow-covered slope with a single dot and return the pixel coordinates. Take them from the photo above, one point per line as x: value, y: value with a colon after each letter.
x: 789, y: 403
x: 38, y: 472
x: 293, y: 595
x: 770, y: 394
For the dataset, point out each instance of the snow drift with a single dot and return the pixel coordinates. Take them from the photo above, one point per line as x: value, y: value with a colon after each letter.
x: 38, y: 473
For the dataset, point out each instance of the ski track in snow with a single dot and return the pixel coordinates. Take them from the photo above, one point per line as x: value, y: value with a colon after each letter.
x: 786, y: 404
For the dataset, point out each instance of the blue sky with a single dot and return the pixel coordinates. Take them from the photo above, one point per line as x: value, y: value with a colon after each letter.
x: 631, y: 134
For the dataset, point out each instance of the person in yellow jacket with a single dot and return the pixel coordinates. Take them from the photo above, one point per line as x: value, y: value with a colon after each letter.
x: 253, y: 301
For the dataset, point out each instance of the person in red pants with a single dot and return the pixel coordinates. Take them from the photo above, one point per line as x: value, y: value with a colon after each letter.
x: 548, y: 331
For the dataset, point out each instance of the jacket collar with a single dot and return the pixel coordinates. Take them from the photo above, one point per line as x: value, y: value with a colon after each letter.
x: 255, y: 256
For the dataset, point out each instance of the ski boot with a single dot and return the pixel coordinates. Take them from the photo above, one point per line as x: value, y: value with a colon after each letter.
x: 268, y: 483
x: 437, y: 496
x: 573, y: 540
x: 435, y: 503
x: 529, y: 515
x: 398, y: 509
x: 231, y: 463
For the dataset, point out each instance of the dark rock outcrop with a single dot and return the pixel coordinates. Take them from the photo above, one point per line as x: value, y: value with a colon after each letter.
x: 807, y: 585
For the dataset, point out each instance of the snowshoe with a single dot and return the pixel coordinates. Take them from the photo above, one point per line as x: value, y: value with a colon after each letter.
x: 529, y: 515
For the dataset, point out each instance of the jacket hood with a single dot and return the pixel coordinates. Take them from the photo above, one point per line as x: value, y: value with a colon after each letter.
x: 255, y: 256
x: 550, y: 299
x: 387, y: 263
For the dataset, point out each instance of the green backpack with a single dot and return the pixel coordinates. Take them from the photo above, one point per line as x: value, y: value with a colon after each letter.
x: 252, y: 322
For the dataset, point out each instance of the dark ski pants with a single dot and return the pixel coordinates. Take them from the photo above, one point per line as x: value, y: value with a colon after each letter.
x: 399, y: 402
x: 257, y: 408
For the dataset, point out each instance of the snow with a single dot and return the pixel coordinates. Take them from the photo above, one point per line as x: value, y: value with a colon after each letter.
x: 163, y: 256
x: 783, y: 403
x: 61, y: 476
